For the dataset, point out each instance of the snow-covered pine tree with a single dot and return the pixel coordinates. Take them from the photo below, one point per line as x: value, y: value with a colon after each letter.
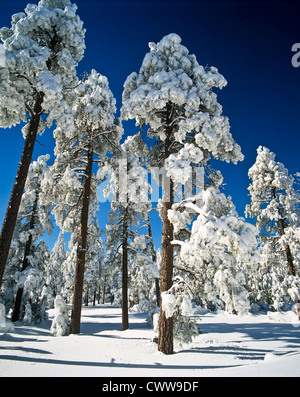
x: 42, y: 49
x: 174, y: 95
x: 95, y: 258
x: 144, y: 291
x: 72, y: 183
x: 27, y: 255
x: 129, y: 209
x: 275, y: 206
x: 54, y: 273
x: 60, y: 323
x: 220, y: 248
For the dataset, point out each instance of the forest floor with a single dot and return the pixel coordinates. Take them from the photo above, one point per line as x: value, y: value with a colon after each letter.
x: 228, y: 346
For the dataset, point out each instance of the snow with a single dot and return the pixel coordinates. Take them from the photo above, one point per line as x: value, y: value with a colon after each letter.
x: 250, y: 345
x: 5, y: 325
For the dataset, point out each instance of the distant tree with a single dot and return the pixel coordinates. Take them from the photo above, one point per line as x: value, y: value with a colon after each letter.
x: 174, y: 95
x: 54, y: 272
x: 129, y: 208
x: 275, y: 206
x: 42, y: 49
x: 95, y: 258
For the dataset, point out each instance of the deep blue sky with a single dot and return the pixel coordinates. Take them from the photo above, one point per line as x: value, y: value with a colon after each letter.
x: 248, y: 41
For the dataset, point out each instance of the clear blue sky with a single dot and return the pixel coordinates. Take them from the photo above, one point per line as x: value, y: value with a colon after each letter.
x: 248, y: 41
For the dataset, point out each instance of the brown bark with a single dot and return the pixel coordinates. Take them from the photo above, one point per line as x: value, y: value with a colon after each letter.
x: 125, y: 322
x: 10, y: 218
x: 165, y: 336
x: 165, y: 339
x: 157, y: 288
x: 81, y: 249
x: 289, y: 256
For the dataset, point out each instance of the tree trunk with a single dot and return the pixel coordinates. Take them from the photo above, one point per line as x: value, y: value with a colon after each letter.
x: 289, y: 256
x: 165, y: 336
x: 104, y: 291
x: 11, y: 215
x: 81, y: 249
x: 157, y: 291
x: 87, y: 297
x: 125, y: 322
x: 16, y: 313
x: 153, y: 255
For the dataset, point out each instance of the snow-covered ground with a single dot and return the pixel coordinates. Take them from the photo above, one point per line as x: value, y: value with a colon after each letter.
x: 252, y: 345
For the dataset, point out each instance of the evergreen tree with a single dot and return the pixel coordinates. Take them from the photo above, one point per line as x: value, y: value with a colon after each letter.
x: 28, y: 255
x: 95, y: 258
x: 54, y: 271
x: 220, y: 248
x: 128, y: 210
x: 42, y: 49
x: 174, y: 95
x: 72, y: 184
x: 275, y: 206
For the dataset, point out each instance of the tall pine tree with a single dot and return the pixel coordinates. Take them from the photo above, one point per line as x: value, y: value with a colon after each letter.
x: 73, y: 183
x: 42, y: 49
x: 174, y: 95
x: 275, y: 206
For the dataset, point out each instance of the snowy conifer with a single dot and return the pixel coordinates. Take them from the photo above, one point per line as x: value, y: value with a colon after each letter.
x: 38, y: 67
x: 275, y: 206
x: 220, y: 248
x: 129, y: 209
x: 54, y: 273
x: 174, y: 95
x: 72, y: 183
x: 95, y: 258
x: 60, y: 323
x: 28, y: 255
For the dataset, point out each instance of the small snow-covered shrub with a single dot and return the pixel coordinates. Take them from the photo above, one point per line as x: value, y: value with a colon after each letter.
x: 5, y: 325
x: 60, y: 323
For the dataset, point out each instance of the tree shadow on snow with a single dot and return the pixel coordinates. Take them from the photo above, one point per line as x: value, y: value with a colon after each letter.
x: 239, y: 352
x: 286, y: 332
x: 95, y: 329
x: 113, y: 364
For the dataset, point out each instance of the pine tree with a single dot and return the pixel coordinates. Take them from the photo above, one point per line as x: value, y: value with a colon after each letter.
x: 95, y: 257
x: 72, y: 185
x: 26, y: 252
x: 128, y: 210
x: 219, y: 249
x: 54, y: 271
x: 42, y: 49
x: 174, y: 95
x: 275, y: 206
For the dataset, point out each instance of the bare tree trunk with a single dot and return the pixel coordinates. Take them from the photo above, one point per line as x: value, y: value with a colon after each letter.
x: 153, y: 254
x: 289, y: 256
x: 157, y: 291
x: 87, y: 297
x: 81, y: 249
x: 165, y: 336
x: 125, y: 322
x: 104, y: 290
x: 11, y: 215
